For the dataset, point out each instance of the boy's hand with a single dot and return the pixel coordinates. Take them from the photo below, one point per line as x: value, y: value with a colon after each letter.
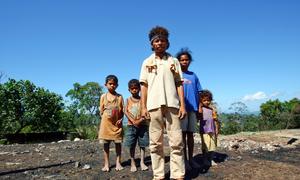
x: 119, y: 123
x: 182, y: 112
x: 145, y: 114
x: 138, y: 122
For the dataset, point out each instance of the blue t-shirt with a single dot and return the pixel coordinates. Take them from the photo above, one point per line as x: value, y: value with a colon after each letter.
x: 192, y: 87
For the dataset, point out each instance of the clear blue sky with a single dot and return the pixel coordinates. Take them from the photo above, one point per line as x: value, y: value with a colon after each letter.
x: 243, y: 50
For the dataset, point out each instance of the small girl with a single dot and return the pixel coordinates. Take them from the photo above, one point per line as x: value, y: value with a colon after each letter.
x: 111, y: 112
x: 209, y: 127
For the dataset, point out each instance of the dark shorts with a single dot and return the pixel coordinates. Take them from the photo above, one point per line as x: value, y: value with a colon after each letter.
x: 134, y: 135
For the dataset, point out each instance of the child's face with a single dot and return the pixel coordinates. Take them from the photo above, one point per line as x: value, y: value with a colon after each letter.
x: 111, y: 85
x: 205, y: 101
x: 160, y: 45
x: 134, y: 90
x: 184, y: 62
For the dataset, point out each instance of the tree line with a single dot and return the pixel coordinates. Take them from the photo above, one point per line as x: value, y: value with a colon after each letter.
x: 26, y: 108
x: 273, y: 115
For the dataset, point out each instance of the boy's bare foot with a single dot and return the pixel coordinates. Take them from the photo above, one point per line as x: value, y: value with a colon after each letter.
x: 133, y: 168
x: 144, y: 167
x: 119, y: 167
x: 105, y: 169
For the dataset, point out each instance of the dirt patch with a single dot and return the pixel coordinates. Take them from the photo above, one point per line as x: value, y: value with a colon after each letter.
x: 83, y: 160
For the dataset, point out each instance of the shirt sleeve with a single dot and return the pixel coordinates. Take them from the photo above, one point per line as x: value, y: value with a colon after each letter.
x: 143, y: 73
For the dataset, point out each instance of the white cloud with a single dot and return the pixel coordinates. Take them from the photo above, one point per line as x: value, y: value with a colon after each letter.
x: 259, y: 96
x: 256, y: 96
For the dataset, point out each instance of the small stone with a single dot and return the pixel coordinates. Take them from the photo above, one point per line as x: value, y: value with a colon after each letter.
x: 86, y: 166
x: 77, y: 164
x: 77, y: 139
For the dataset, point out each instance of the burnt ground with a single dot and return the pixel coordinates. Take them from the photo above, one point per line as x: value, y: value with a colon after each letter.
x: 83, y: 160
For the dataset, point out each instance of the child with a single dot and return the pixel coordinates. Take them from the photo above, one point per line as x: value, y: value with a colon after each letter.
x: 163, y: 103
x: 192, y: 88
x: 209, y: 127
x: 137, y: 129
x: 111, y: 112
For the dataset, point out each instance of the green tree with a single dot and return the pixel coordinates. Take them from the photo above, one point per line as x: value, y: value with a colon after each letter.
x: 84, y: 108
x: 296, y: 114
x: 251, y: 122
x: 279, y: 115
x: 288, y: 115
x: 86, y: 97
x: 27, y: 108
x: 270, y: 113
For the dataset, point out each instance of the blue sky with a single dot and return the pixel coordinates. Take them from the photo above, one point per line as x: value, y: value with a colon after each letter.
x: 243, y: 50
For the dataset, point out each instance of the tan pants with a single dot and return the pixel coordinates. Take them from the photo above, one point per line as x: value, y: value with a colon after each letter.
x: 161, y: 118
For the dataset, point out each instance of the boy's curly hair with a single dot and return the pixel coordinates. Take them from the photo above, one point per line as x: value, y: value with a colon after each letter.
x: 185, y: 51
x: 206, y: 93
x: 158, y: 31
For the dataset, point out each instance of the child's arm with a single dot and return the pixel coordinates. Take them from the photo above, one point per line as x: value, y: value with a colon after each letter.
x: 216, y: 122
x: 101, y: 106
x: 121, y: 113
x: 126, y: 112
x: 200, y: 112
x: 182, y: 111
x: 144, y: 95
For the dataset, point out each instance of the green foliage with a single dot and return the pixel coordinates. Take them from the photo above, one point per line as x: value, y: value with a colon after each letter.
x: 270, y: 112
x: 279, y: 115
x: 83, y: 113
x: 251, y: 122
x: 274, y: 115
x: 27, y: 107
x: 231, y: 127
x: 87, y: 132
x: 85, y: 98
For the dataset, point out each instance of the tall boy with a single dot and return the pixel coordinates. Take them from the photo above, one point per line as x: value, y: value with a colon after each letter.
x: 163, y: 103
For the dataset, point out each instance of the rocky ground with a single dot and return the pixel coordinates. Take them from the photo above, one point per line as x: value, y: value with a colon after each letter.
x: 263, y: 155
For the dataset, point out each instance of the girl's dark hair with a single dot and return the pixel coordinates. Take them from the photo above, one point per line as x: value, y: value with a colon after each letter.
x: 206, y: 93
x: 111, y: 77
x: 184, y: 51
x: 134, y: 82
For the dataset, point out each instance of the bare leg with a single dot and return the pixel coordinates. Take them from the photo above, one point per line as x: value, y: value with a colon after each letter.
x: 190, y: 144
x: 133, y: 166
x: 106, y: 157
x: 118, y: 153
x: 142, y: 164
